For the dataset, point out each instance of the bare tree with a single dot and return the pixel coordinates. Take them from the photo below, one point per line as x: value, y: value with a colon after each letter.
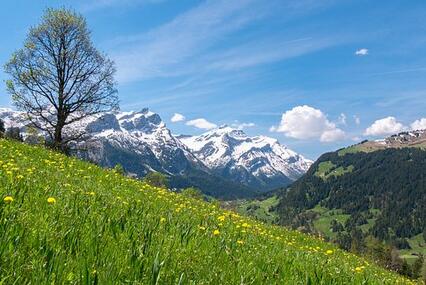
x: 58, y: 78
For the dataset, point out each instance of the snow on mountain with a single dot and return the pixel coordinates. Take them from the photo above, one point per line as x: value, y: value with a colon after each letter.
x: 260, y: 162
x: 142, y: 138
x: 12, y: 118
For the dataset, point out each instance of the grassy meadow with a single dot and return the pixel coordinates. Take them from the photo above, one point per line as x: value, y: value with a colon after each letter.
x: 65, y: 221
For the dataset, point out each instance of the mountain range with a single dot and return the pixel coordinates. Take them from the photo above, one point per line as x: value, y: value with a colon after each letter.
x: 260, y: 162
x: 223, y: 162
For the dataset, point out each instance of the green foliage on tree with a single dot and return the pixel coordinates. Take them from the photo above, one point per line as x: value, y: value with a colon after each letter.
x: 33, y: 137
x: 2, y: 129
x: 59, y: 78
x: 417, y: 267
x: 391, y: 180
x: 157, y: 179
x: 14, y: 133
x: 193, y: 193
x: 118, y: 168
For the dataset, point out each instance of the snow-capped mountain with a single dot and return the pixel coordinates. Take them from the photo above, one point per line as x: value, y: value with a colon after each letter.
x: 142, y: 139
x: 259, y: 162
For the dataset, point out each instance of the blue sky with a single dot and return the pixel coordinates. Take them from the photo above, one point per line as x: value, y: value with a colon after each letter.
x: 317, y: 75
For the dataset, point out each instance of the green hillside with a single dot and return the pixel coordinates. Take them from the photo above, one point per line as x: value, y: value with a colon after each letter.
x: 355, y: 194
x: 64, y: 221
x: 261, y: 208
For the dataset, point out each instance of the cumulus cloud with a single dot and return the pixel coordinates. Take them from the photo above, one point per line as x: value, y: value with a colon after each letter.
x: 305, y: 122
x: 201, y: 123
x: 177, y: 118
x: 385, y: 126
x: 332, y: 135
x: 419, y: 124
x: 362, y: 52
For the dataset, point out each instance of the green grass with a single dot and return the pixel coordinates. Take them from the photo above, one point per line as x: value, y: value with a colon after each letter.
x: 422, y: 145
x: 323, y: 222
x: 367, y: 147
x: 260, y: 209
x: 108, y: 229
x: 326, y: 169
x: 323, y: 225
x: 418, y: 246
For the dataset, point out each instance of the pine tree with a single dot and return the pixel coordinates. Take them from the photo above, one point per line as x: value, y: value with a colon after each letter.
x: 416, y: 268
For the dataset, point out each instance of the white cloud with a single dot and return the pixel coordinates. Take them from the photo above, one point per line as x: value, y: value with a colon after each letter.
x: 385, y: 126
x: 177, y: 118
x: 242, y: 126
x: 332, y: 135
x: 273, y: 129
x: 163, y: 50
x: 357, y: 120
x: 362, y: 52
x: 201, y: 123
x: 342, y: 119
x: 267, y: 51
x: 419, y: 124
x: 305, y: 122
x: 188, y: 44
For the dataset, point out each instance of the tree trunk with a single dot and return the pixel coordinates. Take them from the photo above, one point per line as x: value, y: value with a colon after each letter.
x: 58, y: 140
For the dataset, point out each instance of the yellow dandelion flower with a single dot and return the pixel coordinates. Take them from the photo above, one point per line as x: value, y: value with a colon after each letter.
x: 51, y: 200
x: 216, y: 232
x: 240, y: 242
x: 202, y: 228
x: 221, y: 218
x: 8, y: 199
x: 162, y: 220
x: 358, y: 269
x: 329, y: 252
